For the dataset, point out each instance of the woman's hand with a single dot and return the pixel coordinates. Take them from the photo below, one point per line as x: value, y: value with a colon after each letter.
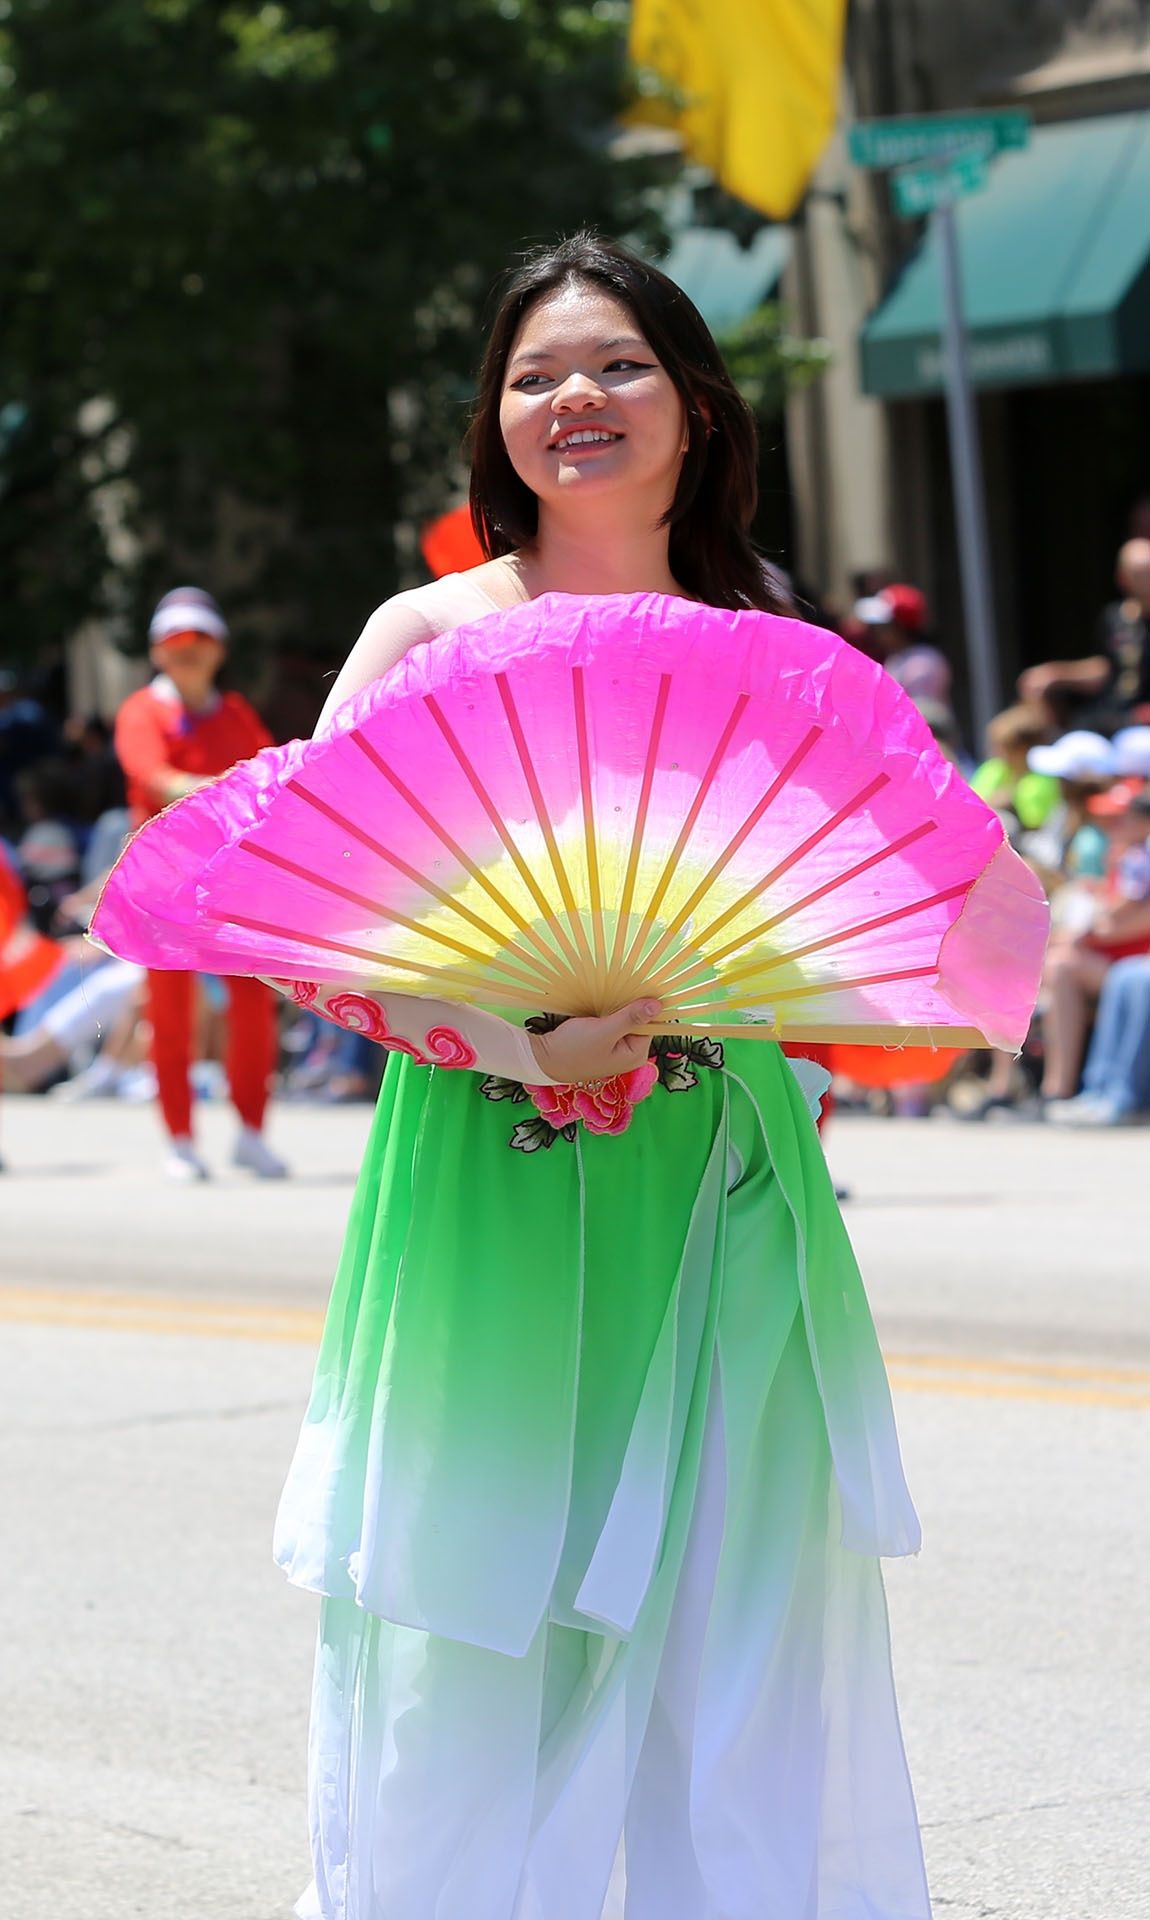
x: 595, y: 1049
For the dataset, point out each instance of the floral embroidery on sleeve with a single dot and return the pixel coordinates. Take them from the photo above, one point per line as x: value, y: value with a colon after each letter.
x: 361, y: 1014
x: 302, y: 993
x: 448, y: 1048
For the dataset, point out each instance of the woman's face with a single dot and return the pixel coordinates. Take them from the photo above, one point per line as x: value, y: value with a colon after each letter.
x: 586, y: 407
x: 190, y: 660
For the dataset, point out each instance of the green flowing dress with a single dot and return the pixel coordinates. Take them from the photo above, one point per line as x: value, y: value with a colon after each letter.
x: 594, y: 1478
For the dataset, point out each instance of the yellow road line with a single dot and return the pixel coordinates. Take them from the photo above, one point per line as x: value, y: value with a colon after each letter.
x: 1027, y: 1369
x: 196, y: 1304
x: 954, y: 1374
x: 144, y: 1313
x: 1001, y: 1390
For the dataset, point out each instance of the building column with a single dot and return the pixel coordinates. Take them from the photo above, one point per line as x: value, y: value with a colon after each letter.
x: 837, y: 438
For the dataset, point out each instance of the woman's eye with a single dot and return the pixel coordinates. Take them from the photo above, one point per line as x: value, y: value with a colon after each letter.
x: 616, y: 365
x: 527, y: 379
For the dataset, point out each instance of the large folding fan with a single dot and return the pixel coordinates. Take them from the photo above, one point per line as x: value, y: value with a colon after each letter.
x: 584, y: 800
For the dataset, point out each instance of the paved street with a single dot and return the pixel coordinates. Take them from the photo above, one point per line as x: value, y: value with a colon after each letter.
x: 153, y: 1367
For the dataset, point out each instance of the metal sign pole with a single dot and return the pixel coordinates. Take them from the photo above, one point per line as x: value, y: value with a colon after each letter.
x: 966, y: 478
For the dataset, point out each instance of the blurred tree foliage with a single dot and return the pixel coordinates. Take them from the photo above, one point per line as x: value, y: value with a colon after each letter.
x: 767, y: 362
x: 245, y: 250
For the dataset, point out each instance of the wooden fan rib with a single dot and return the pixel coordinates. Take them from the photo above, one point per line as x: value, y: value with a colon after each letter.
x: 552, y: 919
x: 878, y: 920
x: 813, y: 839
x: 828, y: 887
x: 473, y: 984
x: 688, y: 827
x: 453, y: 847
x: 546, y: 825
x: 429, y: 886
x: 684, y: 913
x: 891, y: 1039
x: 632, y: 872
x: 755, y: 968
x: 594, y: 880
x: 815, y: 990
x: 533, y: 979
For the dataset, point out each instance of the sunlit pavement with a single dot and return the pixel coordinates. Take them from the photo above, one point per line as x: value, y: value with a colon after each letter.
x: 155, y: 1358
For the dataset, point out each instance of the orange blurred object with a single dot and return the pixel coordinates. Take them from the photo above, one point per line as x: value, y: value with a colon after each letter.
x: 449, y: 544
x: 893, y: 1066
x: 27, y: 958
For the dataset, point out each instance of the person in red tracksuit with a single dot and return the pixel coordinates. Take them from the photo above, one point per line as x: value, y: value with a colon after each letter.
x: 171, y: 737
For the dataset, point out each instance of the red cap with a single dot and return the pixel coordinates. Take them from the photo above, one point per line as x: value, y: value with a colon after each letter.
x: 1116, y: 799
x: 184, y: 637
x: 905, y: 606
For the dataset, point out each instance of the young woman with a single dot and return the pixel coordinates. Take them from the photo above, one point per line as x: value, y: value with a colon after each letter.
x: 600, y: 1456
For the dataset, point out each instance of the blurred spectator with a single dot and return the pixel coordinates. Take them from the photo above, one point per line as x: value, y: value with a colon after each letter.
x: 48, y: 847
x: 26, y: 736
x: 1005, y: 779
x: 1113, y: 683
x: 98, y: 779
x: 1069, y: 844
x: 895, y: 620
x: 1118, y: 927
x: 102, y: 1003
x: 1130, y: 751
x: 173, y: 737
x: 1116, y: 1083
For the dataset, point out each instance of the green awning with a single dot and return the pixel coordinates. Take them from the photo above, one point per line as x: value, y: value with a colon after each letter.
x: 1056, y: 269
x: 726, y: 281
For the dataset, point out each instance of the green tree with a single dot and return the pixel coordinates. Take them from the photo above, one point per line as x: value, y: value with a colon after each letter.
x: 245, y: 248
x: 767, y: 362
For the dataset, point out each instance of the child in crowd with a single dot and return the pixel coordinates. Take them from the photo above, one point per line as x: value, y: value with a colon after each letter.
x: 1113, y: 924
x: 1005, y: 780
x: 1069, y: 843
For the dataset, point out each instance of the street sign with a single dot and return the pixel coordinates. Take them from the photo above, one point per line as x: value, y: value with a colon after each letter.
x: 919, y: 190
x: 901, y: 142
x: 934, y: 161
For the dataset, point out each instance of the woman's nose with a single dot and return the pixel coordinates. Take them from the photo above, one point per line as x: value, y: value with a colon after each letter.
x: 576, y: 393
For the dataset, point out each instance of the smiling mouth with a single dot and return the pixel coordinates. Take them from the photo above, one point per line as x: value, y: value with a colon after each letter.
x: 586, y: 437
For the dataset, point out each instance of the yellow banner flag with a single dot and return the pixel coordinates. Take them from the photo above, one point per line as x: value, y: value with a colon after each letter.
x: 757, y: 80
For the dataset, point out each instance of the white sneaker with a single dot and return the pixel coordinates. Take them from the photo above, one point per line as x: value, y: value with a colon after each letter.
x: 1084, y: 1110
x: 184, y: 1165
x: 100, y: 1080
x: 255, y: 1156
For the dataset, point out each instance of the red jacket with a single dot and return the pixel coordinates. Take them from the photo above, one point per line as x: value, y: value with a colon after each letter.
x: 155, y: 731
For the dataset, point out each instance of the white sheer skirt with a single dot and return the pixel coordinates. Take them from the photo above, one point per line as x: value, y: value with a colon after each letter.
x: 737, y: 1758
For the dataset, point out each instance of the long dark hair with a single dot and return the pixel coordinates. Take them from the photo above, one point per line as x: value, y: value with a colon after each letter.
x: 710, y: 516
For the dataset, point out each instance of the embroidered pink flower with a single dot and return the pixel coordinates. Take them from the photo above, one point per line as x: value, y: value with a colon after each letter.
x: 556, y: 1104
x: 304, y: 992
x: 606, y: 1108
x: 360, y: 1014
x: 449, y: 1048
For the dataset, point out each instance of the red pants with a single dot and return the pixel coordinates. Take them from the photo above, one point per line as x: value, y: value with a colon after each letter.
x: 251, y: 1051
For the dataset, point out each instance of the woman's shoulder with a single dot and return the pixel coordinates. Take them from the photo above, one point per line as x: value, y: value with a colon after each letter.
x: 446, y: 603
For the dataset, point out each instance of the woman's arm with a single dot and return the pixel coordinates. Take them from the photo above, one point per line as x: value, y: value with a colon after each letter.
x: 392, y: 631
x: 142, y: 750
x: 443, y: 1033
x: 1125, y: 920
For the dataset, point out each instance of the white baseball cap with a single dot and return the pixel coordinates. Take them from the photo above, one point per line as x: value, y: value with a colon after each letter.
x: 1077, y: 756
x: 1132, y: 753
x: 187, y: 610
